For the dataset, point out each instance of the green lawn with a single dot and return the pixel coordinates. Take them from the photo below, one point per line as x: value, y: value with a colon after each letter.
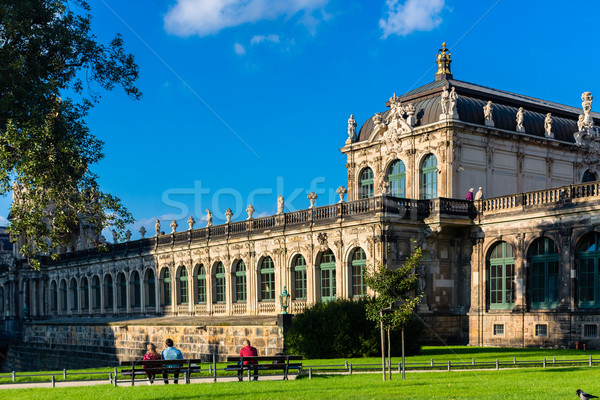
x: 542, y: 384
x: 440, y: 355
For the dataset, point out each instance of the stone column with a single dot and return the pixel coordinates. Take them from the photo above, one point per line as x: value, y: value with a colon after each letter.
x: 228, y: 291
x: 191, y: 297
x: 142, y: 291
x: 156, y: 292
x: 128, y: 293
x: 566, y: 265
x: 90, y: 295
x: 209, y: 288
x: 114, y: 295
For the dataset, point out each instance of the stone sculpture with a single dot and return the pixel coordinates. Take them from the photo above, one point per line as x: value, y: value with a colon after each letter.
x: 157, y: 227
x: 410, y: 112
x: 452, y: 112
x: 341, y: 191
x: 351, y: 128
x: 548, y: 126
x: 209, y: 218
x: 487, y: 113
x: 445, y: 102
x: 520, y: 127
x: 312, y: 196
x: 378, y: 125
x: 191, y: 221
x: 128, y: 235
x: 250, y: 210
x: 280, y: 204
x: 143, y: 232
x: 174, y: 226
x: 228, y: 215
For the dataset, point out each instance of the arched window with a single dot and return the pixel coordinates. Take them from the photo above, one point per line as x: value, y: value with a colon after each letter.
x: 63, y: 296
x: 299, y: 268
x: 397, y: 179
x: 267, y: 279
x: 150, y: 288
x: 136, y: 290
x: 166, y: 287
x: 219, y: 283
x: 501, y: 276
x: 587, y: 256
x: 85, y: 295
x: 108, y: 293
x: 73, y: 294
x: 589, y: 176
x: 357, y: 268
x: 240, y: 281
x: 366, y: 183
x: 542, y: 259
x: 429, y: 177
x: 96, y: 294
x: 201, y: 284
x: 182, y: 283
x: 122, y: 291
x: 53, y: 297
x: 327, y: 268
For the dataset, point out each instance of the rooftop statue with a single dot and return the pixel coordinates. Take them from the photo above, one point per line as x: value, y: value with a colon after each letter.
x: 520, y: 127
x: 487, y: 114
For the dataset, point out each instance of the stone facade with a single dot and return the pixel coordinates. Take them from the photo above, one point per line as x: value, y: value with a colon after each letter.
x: 514, y: 268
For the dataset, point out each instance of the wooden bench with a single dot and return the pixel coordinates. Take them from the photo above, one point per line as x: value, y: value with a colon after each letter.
x: 266, y: 363
x: 159, y: 367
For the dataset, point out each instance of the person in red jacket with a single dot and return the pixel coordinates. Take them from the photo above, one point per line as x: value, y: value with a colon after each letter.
x: 247, y: 351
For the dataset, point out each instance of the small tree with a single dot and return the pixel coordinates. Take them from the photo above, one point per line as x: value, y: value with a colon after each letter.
x: 395, y: 298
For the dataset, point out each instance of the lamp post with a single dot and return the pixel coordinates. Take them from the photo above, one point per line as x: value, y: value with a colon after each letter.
x: 284, y: 297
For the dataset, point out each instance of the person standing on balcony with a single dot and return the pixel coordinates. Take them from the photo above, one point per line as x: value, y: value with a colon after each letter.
x: 479, y: 194
x: 470, y: 195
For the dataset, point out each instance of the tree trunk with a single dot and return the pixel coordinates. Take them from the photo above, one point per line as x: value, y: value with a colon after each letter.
x: 403, y: 377
x: 389, y: 344
x: 382, y: 344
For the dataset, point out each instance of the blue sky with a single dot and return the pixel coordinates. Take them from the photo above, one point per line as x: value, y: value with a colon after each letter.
x: 246, y: 99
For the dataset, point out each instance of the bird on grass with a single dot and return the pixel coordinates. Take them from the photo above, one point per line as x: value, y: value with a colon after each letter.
x: 585, y: 396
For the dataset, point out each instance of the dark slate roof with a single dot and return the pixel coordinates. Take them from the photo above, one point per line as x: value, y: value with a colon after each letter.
x: 472, y: 98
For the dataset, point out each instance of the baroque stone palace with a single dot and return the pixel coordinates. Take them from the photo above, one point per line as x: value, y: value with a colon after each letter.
x: 518, y: 267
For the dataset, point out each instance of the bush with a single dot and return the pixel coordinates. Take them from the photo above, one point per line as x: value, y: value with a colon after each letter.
x: 340, y: 329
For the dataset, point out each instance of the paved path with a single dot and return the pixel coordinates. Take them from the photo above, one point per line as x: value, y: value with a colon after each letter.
x: 140, y: 382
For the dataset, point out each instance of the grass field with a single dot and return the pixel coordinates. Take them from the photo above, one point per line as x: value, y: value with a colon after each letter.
x: 558, y: 383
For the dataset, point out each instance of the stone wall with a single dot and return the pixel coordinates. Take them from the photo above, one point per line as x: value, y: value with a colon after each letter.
x: 62, y: 345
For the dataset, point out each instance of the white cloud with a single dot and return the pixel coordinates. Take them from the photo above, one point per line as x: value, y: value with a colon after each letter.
x: 205, y: 17
x: 264, y: 38
x: 3, y: 221
x: 411, y: 15
x: 239, y: 49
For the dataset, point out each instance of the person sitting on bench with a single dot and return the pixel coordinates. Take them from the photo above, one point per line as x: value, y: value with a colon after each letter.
x: 151, y: 355
x: 171, y: 353
x: 248, y: 351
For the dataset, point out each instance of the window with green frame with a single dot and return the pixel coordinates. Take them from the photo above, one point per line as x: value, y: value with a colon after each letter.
x: 501, y: 276
x: 136, y: 292
x: 151, y: 289
x: 73, y: 292
x: 429, y: 177
x: 183, y: 286
x: 201, y: 284
x: 542, y: 259
x: 267, y: 279
x: 366, y: 183
x: 397, y: 179
x: 166, y: 285
x: 63, y: 295
x: 328, y: 275
x: 85, y: 294
x: 299, y: 268
x: 586, y: 257
x: 240, y: 281
x: 122, y: 285
x: 108, y: 293
x: 96, y: 294
x: 219, y: 283
x: 53, y: 298
x: 357, y: 267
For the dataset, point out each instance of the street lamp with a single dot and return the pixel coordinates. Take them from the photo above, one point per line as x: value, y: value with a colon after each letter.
x: 284, y: 297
